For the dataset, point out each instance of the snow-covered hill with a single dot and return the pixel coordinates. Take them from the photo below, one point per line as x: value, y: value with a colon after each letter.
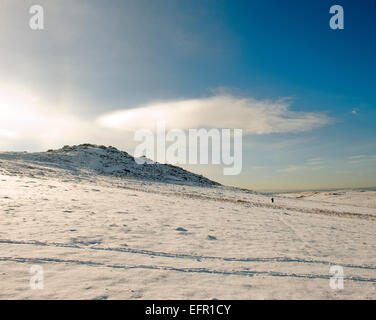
x: 100, y: 232
x: 88, y: 159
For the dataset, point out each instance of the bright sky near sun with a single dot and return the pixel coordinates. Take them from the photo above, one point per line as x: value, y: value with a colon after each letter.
x: 303, y: 94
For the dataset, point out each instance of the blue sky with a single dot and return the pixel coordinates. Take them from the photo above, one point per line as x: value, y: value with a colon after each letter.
x: 95, y: 57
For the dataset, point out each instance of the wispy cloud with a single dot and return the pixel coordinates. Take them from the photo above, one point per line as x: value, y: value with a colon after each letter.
x: 361, y: 159
x: 314, y: 161
x: 291, y: 169
x: 224, y: 111
x: 258, y: 167
x: 310, y: 164
x: 26, y: 118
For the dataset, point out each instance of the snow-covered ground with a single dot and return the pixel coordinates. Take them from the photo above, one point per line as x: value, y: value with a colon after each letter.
x: 362, y: 198
x: 99, y: 235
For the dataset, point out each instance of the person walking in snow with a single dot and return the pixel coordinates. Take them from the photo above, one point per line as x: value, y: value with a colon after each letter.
x: 272, y: 200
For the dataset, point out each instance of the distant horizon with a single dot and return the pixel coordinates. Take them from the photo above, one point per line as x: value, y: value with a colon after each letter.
x: 263, y: 191
x: 320, y: 190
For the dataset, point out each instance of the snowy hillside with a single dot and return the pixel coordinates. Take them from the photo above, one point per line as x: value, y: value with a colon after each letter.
x: 101, y: 228
x: 88, y: 159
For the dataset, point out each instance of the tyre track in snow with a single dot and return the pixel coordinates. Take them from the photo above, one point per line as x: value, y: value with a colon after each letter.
x: 187, y: 256
x: 244, y: 273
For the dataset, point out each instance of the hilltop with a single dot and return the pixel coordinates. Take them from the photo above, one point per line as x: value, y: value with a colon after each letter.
x: 87, y: 159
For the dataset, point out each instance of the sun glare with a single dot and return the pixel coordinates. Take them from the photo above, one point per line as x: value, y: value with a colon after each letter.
x: 22, y: 115
x: 15, y: 107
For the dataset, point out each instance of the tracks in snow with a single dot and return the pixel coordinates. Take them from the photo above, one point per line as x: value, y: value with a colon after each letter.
x: 243, y: 272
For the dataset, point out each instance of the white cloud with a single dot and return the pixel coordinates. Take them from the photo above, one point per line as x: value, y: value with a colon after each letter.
x: 27, y: 120
x: 224, y: 111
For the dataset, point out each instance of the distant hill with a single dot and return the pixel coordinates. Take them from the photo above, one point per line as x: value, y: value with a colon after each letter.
x: 100, y: 160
